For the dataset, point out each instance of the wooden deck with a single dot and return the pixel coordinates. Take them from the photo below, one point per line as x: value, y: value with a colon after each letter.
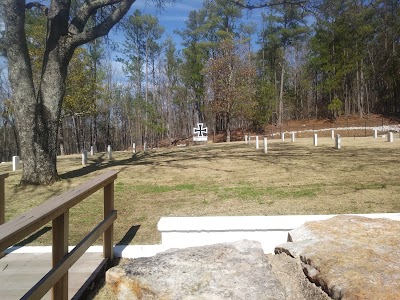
x: 21, y: 271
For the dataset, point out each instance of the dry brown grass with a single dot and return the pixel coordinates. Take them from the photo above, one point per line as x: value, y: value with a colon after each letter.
x: 224, y: 179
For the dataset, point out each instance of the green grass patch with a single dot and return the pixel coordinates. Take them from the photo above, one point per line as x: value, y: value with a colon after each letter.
x: 119, y: 187
x: 158, y: 189
x: 247, y: 192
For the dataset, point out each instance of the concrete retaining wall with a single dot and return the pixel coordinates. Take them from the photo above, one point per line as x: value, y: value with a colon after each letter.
x: 182, y: 232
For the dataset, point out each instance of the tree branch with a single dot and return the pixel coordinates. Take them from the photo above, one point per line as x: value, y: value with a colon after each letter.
x: 266, y: 3
x: 78, y: 23
x: 83, y: 36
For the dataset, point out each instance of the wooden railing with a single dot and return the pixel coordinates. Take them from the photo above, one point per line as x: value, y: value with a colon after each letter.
x: 56, y: 210
x: 2, y: 202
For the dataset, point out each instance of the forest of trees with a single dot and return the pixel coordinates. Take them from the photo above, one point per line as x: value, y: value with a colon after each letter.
x: 313, y: 59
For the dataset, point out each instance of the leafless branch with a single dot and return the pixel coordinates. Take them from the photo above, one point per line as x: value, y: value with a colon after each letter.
x: 267, y: 3
x: 39, y: 6
x: 120, y: 8
x: 78, y: 23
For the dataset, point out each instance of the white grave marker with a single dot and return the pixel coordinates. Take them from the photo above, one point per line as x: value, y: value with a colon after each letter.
x: 200, y: 133
x: 293, y: 137
x: 91, y: 150
x: 257, y: 145
x: 338, y: 142
x: 375, y: 133
x: 245, y: 139
x: 16, y: 163
x: 332, y: 134
x: 249, y: 140
x: 283, y: 136
x: 315, y: 139
x: 84, y: 157
x: 144, y: 146
x: 109, y: 151
x: 390, y: 137
x: 134, y: 147
x: 265, y: 145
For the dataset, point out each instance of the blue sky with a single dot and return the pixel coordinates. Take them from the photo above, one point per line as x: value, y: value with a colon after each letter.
x: 172, y: 16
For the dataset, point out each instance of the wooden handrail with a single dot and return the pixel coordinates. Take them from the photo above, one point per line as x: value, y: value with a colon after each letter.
x: 2, y: 202
x: 57, y: 211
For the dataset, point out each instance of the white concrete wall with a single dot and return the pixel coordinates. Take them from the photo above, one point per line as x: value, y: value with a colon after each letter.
x: 182, y: 232
x: 270, y: 231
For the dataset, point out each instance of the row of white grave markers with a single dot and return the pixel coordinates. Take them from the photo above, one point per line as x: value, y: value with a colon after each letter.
x: 85, y: 155
x: 315, y: 140
x: 247, y: 138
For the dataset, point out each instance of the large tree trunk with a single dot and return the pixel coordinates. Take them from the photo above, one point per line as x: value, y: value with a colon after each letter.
x: 37, y: 112
x: 39, y: 131
x: 280, y: 111
x: 38, y: 108
x: 228, y: 128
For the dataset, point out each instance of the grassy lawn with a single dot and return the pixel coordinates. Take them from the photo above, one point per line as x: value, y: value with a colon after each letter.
x: 223, y: 179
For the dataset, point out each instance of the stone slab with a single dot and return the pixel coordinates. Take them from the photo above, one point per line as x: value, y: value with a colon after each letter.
x: 351, y: 257
x: 234, y: 271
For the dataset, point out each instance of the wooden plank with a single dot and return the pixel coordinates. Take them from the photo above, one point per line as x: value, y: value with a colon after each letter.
x: 84, y: 289
x: 60, y: 249
x: 46, y: 283
x: 20, y: 271
x: 108, y: 239
x: 4, y: 175
x: 15, y: 230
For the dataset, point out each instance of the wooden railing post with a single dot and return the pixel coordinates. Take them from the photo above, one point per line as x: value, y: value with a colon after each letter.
x: 2, y: 202
x: 2, y: 198
x: 60, y: 248
x: 108, y: 239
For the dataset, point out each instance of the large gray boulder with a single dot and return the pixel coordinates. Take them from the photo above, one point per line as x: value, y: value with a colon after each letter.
x: 351, y: 257
x: 238, y: 270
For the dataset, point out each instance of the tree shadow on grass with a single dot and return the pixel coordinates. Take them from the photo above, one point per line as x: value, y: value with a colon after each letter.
x: 100, y: 163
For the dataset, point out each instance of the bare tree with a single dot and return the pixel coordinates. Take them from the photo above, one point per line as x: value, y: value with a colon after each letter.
x: 38, y: 106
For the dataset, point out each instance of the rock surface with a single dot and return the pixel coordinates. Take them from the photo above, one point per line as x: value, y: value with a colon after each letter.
x: 237, y: 270
x: 351, y: 257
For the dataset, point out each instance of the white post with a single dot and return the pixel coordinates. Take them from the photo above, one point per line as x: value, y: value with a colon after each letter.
x: 84, y: 157
x: 257, y: 145
x: 144, y: 146
x: 249, y: 139
x: 16, y: 163
x: 109, y: 151
x: 375, y: 133
x: 315, y: 139
x: 338, y: 142
x: 293, y: 137
x: 265, y: 145
x: 332, y: 134
x: 283, y: 136
x: 390, y: 137
x: 134, y: 147
x: 91, y: 150
x: 245, y: 139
